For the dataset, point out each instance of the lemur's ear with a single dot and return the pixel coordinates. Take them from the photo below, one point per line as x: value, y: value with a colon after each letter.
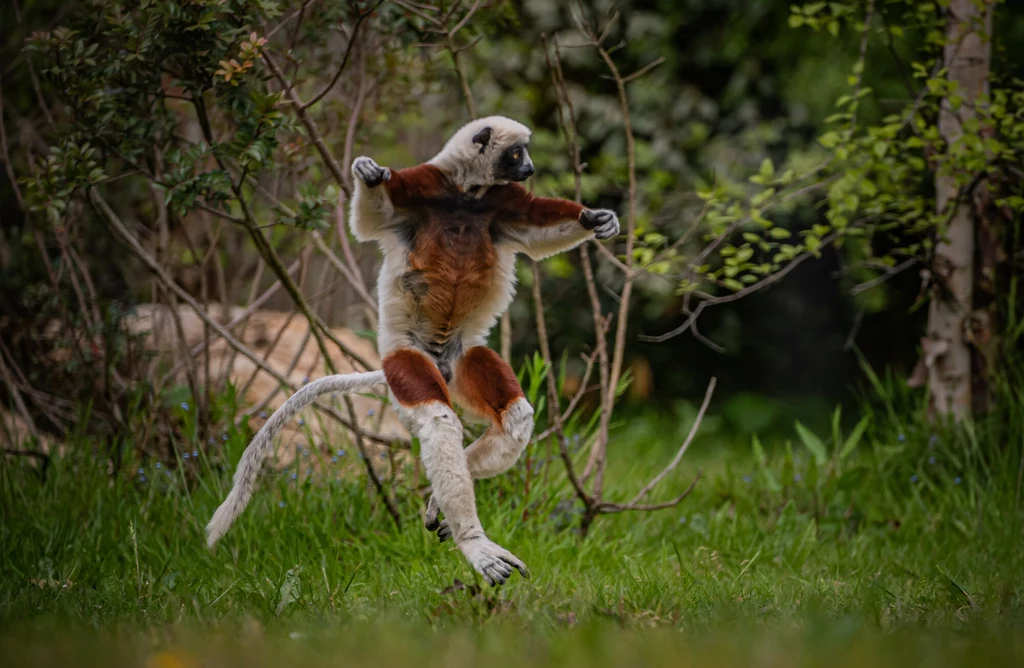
x: 483, y: 138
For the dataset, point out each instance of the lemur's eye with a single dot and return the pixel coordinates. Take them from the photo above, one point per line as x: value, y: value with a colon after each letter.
x: 516, y: 155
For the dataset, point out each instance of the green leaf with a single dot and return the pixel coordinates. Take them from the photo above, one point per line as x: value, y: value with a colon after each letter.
x: 813, y: 444
x: 837, y: 416
x: 289, y: 591
x: 769, y: 480
x: 854, y: 438
x: 829, y: 140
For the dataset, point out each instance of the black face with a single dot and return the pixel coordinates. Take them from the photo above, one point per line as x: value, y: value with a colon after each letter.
x: 514, y: 164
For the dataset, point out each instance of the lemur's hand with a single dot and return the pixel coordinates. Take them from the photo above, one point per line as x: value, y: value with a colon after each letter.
x: 603, y: 221
x: 370, y: 172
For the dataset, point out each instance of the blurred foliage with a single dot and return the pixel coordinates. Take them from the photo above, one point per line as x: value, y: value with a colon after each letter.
x: 750, y: 99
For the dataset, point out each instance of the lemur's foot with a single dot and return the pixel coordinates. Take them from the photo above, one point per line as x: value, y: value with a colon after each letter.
x: 492, y: 560
x: 603, y: 221
x: 434, y: 523
x: 370, y: 172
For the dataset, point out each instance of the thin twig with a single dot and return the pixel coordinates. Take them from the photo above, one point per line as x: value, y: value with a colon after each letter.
x: 19, y: 403
x: 309, y: 123
x: 878, y: 280
x: 682, y: 449
x: 5, y: 154
x: 344, y: 59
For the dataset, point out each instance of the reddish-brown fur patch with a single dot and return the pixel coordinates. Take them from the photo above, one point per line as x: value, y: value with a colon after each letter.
x: 455, y: 259
x: 414, y: 186
x: 485, y: 384
x: 414, y: 379
x: 519, y: 207
x: 452, y: 258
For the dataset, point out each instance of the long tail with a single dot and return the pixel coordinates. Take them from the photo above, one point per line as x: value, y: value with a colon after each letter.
x: 252, y: 458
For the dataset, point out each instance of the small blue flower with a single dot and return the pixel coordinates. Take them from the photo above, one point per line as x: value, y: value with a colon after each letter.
x: 263, y: 414
x: 747, y: 479
x: 142, y: 472
x: 184, y: 405
x: 280, y: 504
x: 195, y: 453
x: 796, y: 477
x: 931, y: 460
x: 210, y: 441
x: 334, y: 460
x: 185, y: 456
x: 370, y: 413
x: 383, y: 455
x: 223, y: 437
x: 142, y: 478
x: 957, y: 480
x: 301, y: 422
x: 901, y: 438
x: 341, y: 453
x: 158, y: 464
x: 913, y: 478
x: 682, y: 520
x: 298, y: 448
x: 305, y: 379
x: 294, y: 476
x: 932, y: 440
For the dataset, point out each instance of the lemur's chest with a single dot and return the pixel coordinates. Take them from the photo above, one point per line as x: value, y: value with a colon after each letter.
x: 451, y: 266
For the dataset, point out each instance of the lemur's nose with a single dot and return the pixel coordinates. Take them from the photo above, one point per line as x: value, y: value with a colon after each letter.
x: 528, y: 169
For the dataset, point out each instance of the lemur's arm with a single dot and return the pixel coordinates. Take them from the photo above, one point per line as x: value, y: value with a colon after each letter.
x: 379, y: 191
x: 545, y: 226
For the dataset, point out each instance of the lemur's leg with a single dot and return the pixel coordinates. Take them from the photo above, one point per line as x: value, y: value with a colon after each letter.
x: 486, y: 386
x: 423, y: 400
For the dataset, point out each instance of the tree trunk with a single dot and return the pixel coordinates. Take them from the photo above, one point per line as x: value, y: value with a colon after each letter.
x: 947, y: 351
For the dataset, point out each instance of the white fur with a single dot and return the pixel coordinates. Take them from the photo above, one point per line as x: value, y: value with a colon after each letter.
x: 463, y: 160
x: 440, y: 434
x: 543, y: 242
x: 249, y: 466
x: 501, y: 446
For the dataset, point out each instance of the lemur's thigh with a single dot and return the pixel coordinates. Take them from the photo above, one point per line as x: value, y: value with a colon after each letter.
x: 485, y: 385
x: 414, y: 379
x: 424, y: 404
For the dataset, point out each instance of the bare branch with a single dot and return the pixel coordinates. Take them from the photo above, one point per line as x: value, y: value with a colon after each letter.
x: 878, y: 280
x: 644, y: 70
x: 344, y: 59
x: 682, y: 449
x: 5, y: 154
x: 310, y: 125
x: 618, y: 508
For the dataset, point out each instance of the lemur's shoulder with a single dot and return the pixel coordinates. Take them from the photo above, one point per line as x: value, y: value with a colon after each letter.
x: 414, y: 185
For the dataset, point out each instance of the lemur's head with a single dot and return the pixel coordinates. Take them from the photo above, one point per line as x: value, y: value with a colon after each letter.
x: 487, y: 151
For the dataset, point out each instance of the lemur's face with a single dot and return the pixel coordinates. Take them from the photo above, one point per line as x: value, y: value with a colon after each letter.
x: 501, y: 146
x: 514, y: 163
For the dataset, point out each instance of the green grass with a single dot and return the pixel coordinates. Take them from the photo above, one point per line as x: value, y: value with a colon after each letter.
x: 907, y: 549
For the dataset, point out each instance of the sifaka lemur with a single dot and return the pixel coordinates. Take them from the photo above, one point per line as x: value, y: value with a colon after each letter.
x: 449, y: 230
